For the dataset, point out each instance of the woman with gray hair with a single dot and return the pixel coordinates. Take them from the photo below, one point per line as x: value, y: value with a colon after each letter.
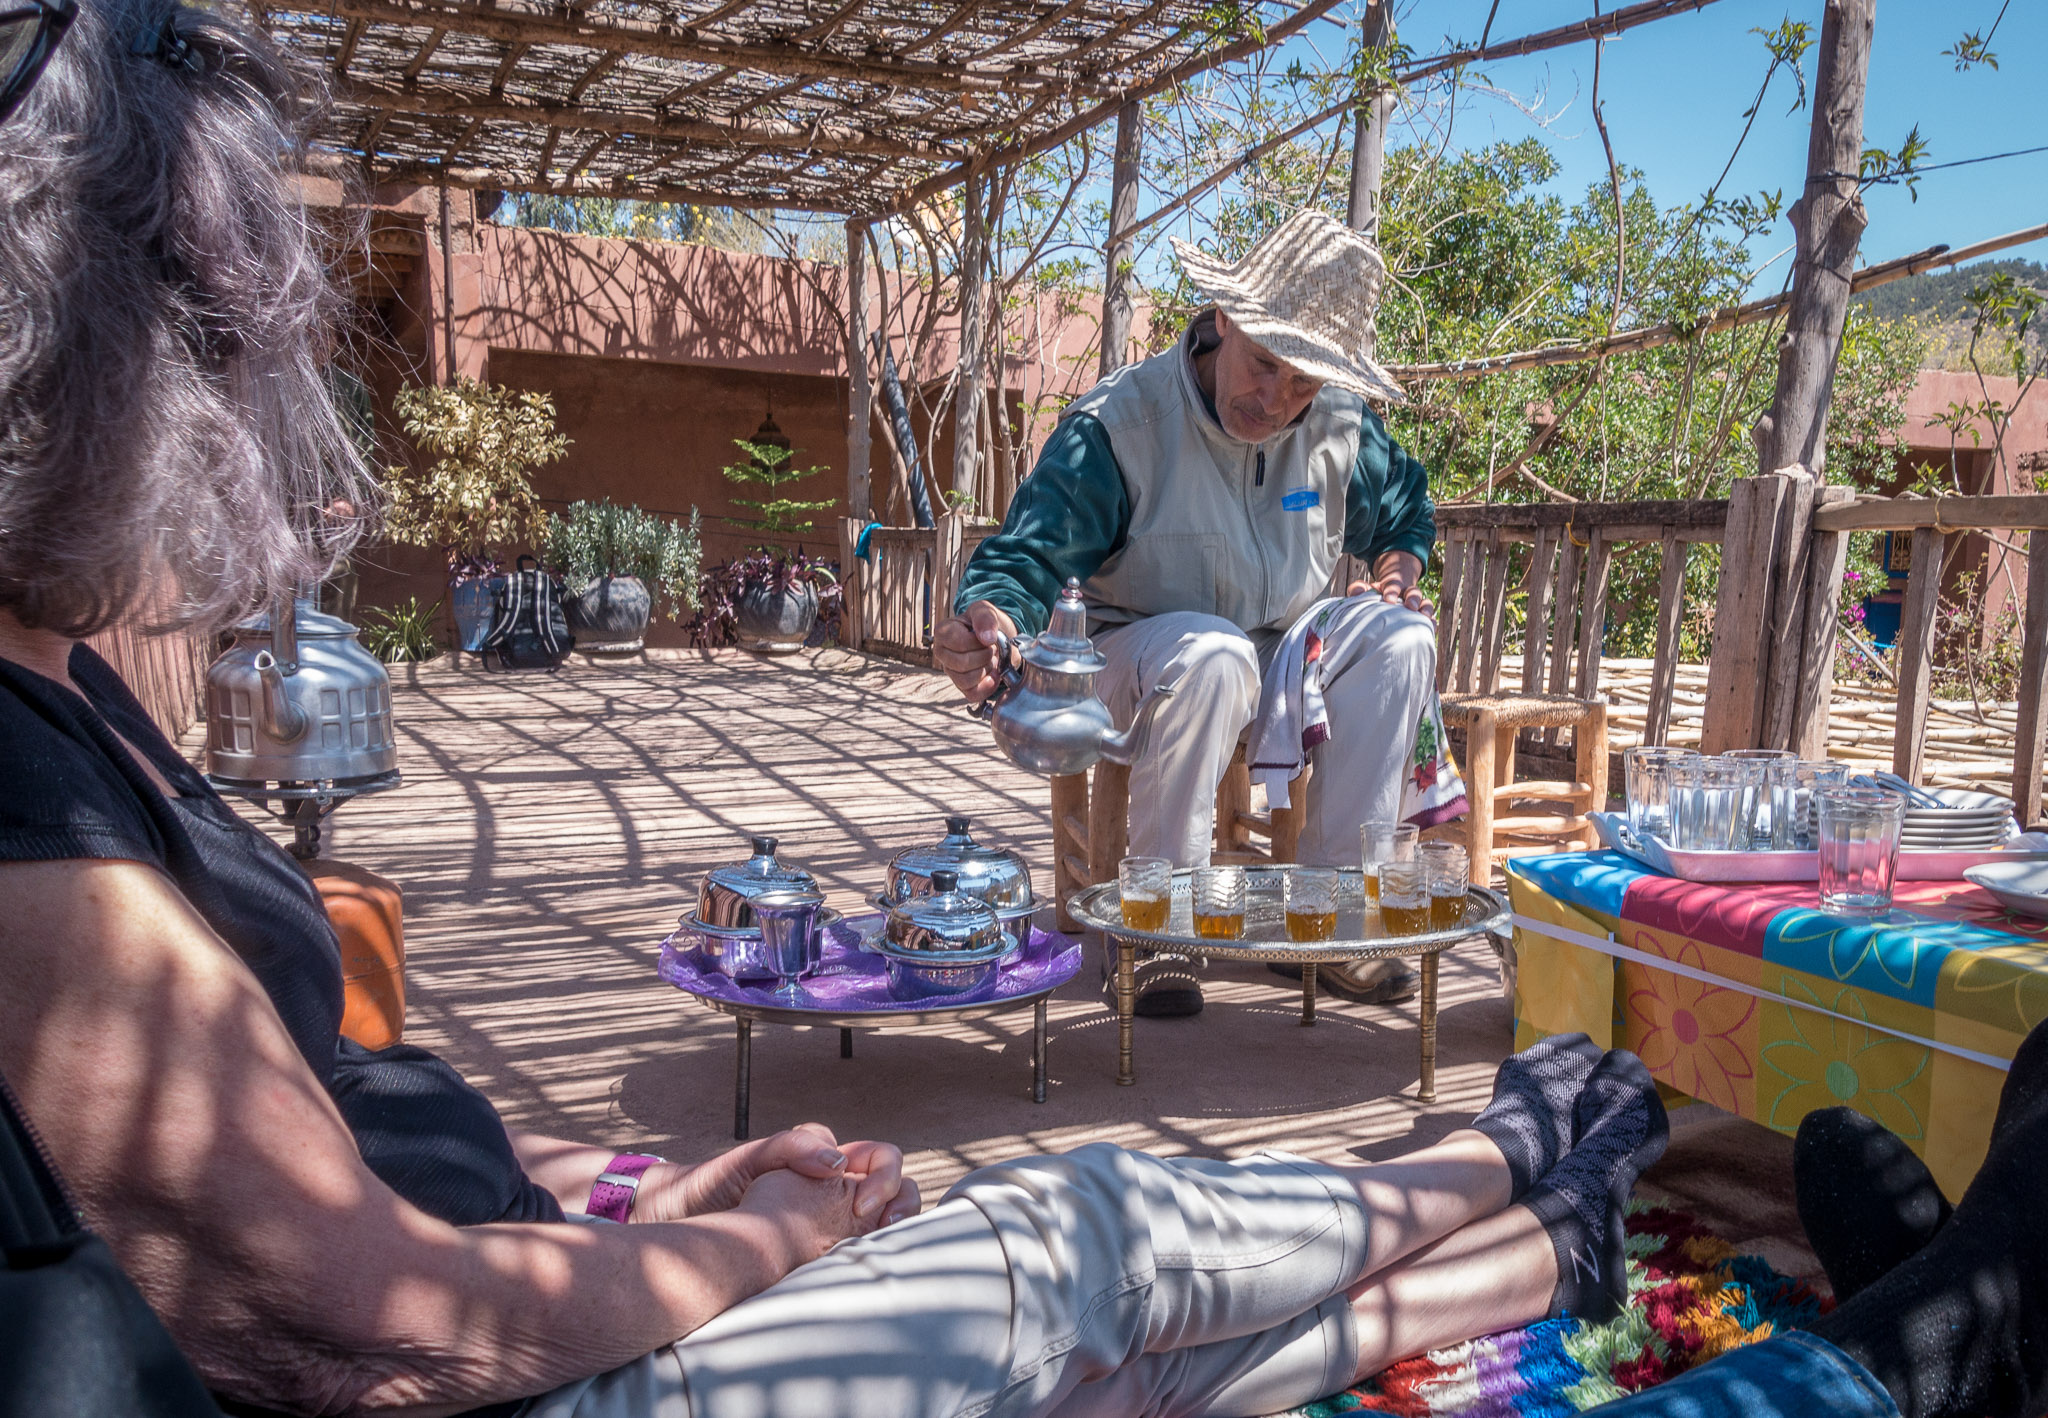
x: 326, y: 1230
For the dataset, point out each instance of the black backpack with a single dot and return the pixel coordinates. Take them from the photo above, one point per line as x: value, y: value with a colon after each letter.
x: 527, y: 630
x: 76, y: 1337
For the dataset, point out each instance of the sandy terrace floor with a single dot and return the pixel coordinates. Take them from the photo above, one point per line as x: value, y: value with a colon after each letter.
x: 552, y: 827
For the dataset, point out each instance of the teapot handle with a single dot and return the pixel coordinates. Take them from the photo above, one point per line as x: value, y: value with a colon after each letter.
x: 1007, y: 678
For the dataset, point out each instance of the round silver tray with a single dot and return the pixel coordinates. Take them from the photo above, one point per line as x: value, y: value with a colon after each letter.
x: 1359, y: 934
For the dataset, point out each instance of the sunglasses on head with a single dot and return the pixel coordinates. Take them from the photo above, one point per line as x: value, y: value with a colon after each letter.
x: 28, y: 33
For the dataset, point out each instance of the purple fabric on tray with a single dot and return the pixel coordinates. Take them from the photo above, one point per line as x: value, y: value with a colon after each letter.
x: 850, y: 980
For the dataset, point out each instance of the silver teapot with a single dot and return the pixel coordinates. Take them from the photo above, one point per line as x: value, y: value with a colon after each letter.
x: 297, y: 699
x: 1045, y: 714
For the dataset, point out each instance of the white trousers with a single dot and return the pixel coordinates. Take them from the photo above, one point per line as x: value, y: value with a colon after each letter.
x: 1355, y: 777
x: 1095, y: 1284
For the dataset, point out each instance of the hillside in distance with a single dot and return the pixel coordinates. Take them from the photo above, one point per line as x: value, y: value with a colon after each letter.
x: 1938, y: 302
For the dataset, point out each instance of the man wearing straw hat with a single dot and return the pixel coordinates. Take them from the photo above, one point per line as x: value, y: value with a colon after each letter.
x: 1202, y: 497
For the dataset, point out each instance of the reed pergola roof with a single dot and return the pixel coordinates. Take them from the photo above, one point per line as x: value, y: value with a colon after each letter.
x: 856, y: 106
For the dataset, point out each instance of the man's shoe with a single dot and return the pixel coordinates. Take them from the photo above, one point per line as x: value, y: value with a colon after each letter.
x: 1167, y: 987
x: 1360, y: 981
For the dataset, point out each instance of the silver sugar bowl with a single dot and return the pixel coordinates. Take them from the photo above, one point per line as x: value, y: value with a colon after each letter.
x: 946, y: 945
x: 999, y: 877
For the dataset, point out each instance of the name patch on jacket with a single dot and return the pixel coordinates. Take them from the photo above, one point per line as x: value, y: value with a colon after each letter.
x: 1301, y: 499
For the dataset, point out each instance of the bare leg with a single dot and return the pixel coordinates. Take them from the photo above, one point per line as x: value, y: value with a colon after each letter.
x: 1421, y: 1198
x: 1496, y: 1274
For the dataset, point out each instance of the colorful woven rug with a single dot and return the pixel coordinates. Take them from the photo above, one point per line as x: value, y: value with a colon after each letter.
x: 1691, y: 1297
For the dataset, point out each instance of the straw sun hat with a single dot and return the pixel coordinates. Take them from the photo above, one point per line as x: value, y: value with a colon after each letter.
x: 1306, y: 294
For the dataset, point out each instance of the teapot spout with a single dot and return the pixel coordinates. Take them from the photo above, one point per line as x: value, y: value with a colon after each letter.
x: 283, y: 720
x: 1125, y: 747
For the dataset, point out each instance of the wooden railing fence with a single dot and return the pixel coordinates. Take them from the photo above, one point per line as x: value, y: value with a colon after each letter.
x: 166, y: 672
x: 906, y: 583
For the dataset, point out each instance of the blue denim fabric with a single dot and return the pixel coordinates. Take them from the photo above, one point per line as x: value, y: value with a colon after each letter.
x: 1796, y: 1375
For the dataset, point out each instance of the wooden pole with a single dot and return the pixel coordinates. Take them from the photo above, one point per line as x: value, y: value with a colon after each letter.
x: 1369, y: 134
x: 1826, y: 559
x: 447, y: 293
x: 1737, y: 673
x: 860, y: 389
x: 1117, y: 308
x: 967, y: 392
x: 2031, y: 731
x: 1827, y: 225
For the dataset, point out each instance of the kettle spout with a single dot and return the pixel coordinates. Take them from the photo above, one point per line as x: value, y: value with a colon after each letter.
x: 283, y: 720
x: 1126, y: 746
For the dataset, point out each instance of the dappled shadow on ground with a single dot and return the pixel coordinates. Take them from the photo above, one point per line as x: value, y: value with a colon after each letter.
x: 553, y: 827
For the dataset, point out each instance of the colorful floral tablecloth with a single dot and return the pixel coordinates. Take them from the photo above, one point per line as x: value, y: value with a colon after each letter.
x: 1749, y: 998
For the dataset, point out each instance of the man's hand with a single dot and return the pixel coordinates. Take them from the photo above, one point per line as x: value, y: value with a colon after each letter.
x: 964, y: 647
x: 672, y: 1193
x: 1394, y: 578
x: 809, y: 1216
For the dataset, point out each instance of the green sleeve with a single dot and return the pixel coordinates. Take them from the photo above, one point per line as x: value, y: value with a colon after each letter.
x: 1066, y: 519
x: 1388, y: 508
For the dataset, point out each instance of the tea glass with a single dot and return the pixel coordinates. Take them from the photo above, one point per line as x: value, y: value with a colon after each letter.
x: 1759, y: 793
x: 1647, y: 772
x: 1312, y: 904
x: 1708, y: 801
x: 1384, y: 842
x: 1450, y: 872
x: 1145, y: 889
x: 1859, y: 849
x: 1792, y: 786
x: 1404, y: 897
x: 1218, y: 900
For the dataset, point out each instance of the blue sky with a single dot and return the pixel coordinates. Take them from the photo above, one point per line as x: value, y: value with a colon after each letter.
x: 1674, y: 94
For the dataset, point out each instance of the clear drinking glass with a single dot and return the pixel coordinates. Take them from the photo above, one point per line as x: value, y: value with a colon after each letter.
x: 1707, y: 800
x: 1218, y: 896
x: 1145, y: 889
x: 1450, y: 871
x: 1757, y: 803
x: 1312, y: 903
x: 1646, y: 770
x: 1792, y: 787
x: 1859, y: 849
x: 1384, y: 842
x: 1404, y: 897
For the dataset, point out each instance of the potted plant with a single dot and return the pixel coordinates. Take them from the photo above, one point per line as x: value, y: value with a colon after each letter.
x: 615, y: 563
x: 768, y: 599
x: 475, y: 499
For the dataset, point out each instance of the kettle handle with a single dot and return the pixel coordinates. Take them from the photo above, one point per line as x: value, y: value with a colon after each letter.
x: 1007, y: 678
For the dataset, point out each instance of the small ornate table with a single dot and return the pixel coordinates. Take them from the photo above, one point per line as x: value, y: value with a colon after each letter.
x: 1360, y: 937
x: 850, y: 990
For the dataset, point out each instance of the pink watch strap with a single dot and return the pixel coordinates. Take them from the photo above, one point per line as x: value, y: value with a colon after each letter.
x: 611, y: 1195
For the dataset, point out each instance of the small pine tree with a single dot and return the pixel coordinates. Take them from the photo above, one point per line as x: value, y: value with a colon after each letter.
x: 770, y: 466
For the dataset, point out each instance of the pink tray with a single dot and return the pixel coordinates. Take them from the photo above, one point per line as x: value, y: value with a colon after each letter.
x: 1666, y: 860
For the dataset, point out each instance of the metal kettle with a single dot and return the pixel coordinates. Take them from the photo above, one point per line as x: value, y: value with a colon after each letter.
x: 1045, y: 712
x: 297, y: 699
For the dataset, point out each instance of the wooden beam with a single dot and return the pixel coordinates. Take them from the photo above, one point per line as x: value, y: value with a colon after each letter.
x: 1670, y: 625
x: 1118, y: 310
x: 1785, y: 624
x: 2030, y: 734
x: 350, y: 38
x: 1916, y: 652
x: 1675, y: 513
x: 754, y: 133
x: 860, y: 389
x: 1736, y: 672
x: 967, y: 389
x: 1822, y: 603
x: 666, y: 42
x: 1828, y: 222
x: 2024, y: 512
x: 426, y: 52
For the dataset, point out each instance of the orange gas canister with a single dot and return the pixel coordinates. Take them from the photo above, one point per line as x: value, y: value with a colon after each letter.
x: 368, y: 913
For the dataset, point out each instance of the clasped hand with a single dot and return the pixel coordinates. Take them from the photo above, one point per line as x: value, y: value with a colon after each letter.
x: 822, y: 1190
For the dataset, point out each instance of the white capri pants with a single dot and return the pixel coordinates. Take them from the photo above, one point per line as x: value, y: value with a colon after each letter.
x: 1095, y: 1284
x: 1373, y: 703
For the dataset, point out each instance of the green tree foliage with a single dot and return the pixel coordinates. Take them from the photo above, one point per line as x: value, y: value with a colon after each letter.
x: 633, y: 220
x: 475, y: 500
x: 771, y: 466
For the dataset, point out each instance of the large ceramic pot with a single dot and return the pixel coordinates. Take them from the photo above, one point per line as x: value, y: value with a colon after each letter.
x: 473, y: 601
x: 769, y: 619
x: 610, y: 614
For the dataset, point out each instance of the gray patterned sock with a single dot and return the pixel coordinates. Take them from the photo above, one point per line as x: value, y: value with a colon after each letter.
x: 1530, y: 1117
x: 1619, y: 1129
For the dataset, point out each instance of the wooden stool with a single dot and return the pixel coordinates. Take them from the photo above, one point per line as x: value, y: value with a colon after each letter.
x: 1091, y: 827
x: 368, y: 913
x: 1491, y: 724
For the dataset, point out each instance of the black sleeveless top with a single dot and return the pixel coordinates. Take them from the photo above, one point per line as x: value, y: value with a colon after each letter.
x: 69, y: 789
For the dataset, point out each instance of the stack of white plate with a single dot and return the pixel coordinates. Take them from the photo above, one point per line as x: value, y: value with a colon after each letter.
x: 1969, y: 822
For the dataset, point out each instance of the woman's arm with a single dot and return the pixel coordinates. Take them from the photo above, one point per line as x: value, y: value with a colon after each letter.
x: 672, y: 1191
x: 209, y: 1156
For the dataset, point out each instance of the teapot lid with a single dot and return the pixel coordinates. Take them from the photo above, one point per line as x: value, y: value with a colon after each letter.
x: 948, y: 920
x: 1065, y: 648
x: 760, y: 872
x: 995, y: 874
x: 310, y: 620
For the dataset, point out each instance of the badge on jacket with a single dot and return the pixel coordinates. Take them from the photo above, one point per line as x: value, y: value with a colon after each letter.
x: 1301, y: 499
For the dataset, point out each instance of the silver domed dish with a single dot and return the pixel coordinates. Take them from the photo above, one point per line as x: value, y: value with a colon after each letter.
x: 997, y: 876
x: 725, y: 899
x: 942, y: 945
